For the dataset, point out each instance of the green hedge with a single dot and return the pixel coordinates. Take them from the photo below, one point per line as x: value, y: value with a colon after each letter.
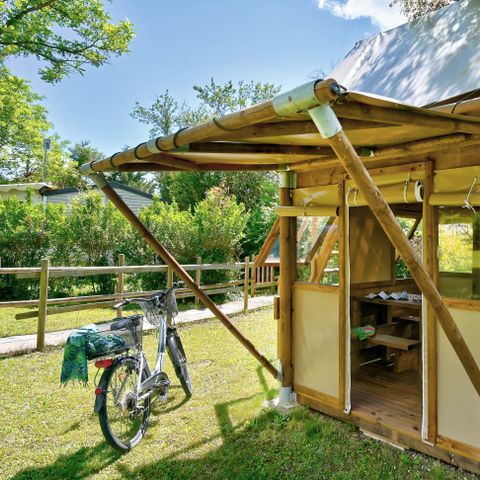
x: 89, y: 233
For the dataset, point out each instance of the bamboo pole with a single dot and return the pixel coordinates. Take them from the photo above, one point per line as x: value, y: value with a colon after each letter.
x: 42, y: 303
x: 359, y: 174
x: 246, y: 284
x: 179, y: 270
x: 198, y: 278
x: 120, y: 280
x: 323, y: 91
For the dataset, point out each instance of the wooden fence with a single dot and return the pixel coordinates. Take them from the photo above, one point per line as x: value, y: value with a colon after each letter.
x: 253, y: 278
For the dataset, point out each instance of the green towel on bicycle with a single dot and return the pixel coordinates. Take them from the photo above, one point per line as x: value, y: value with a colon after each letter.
x: 362, y: 333
x: 82, y: 345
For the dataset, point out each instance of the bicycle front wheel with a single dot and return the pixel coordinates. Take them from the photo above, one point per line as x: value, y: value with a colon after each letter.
x: 179, y: 360
x: 123, y: 419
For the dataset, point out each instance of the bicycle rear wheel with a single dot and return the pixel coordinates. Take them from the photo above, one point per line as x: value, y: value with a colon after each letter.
x: 122, y: 419
x: 179, y: 360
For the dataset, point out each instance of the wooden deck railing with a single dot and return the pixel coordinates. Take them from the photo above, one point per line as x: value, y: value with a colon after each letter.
x: 253, y: 279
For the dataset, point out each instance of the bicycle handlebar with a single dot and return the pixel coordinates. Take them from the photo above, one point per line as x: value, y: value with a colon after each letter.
x: 160, y: 295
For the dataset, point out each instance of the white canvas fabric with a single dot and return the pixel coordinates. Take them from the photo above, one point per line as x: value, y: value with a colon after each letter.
x: 431, y: 59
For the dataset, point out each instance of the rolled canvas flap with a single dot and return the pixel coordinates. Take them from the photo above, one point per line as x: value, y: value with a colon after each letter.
x: 454, y: 199
x: 317, y: 211
x: 411, y: 192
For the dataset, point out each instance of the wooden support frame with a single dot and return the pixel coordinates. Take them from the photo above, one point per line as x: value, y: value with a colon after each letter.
x: 411, y: 233
x: 268, y: 244
x: 320, y: 260
x: 320, y: 239
x: 327, y: 122
x: 113, y: 196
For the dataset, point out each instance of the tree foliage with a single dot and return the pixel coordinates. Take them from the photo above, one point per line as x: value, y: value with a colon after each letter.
x: 413, y: 9
x: 65, y: 35
x: 166, y: 115
x: 23, y: 125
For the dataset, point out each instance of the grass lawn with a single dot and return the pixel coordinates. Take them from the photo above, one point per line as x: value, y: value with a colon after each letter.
x: 50, y: 432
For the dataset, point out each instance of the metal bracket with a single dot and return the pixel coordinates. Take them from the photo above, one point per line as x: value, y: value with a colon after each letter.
x: 296, y: 100
x: 325, y: 120
x: 288, y: 179
x: 98, y: 179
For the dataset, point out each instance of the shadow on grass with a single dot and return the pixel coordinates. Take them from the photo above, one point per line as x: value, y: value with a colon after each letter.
x: 77, y: 466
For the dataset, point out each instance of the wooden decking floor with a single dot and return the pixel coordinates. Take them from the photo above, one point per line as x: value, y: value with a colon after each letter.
x: 388, y: 398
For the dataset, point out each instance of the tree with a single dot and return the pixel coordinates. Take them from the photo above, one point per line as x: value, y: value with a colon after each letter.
x: 23, y: 125
x: 65, y: 35
x: 82, y: 152
x: 413, y: 9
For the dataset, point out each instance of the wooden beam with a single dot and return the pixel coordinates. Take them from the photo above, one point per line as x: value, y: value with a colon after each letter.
x: 264, y: 148
x: 343, y: 296
x: 417, y: 117
x: 180, y: 271
x: 203, y: 167
x: 402, y: 150
x: 167, y: 160
x: 357, y: 171
x: 290, y: 127
x: 320, y: 260
x: 268, y: 244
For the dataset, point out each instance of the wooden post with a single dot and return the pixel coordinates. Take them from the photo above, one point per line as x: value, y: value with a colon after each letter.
x: 430, y: 258
x: 342, y: 222
x: 103, y: 185
x: 198, y: 279
x: 476, y: 256
x: 120, y: 280
x: 253, y: 280
x: 359, y: 174
x: 285, y: 286
x: 246, y: 284
x: 169, y: 277
x: 42, y: 303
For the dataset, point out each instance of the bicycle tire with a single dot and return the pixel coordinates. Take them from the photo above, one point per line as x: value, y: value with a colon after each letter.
x: 179, y: 360
x: 108, y: 409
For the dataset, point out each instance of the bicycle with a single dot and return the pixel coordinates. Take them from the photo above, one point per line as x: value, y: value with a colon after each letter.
x: 127, y: 385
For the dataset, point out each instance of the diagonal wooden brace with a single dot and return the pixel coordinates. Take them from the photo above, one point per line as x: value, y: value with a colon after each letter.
x: 330, y: 128
x: 102, y: 184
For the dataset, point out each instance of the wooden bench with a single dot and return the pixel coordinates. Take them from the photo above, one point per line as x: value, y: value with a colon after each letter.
x: 405, y: 355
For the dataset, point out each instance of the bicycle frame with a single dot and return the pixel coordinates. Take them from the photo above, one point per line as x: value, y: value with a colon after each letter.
x: 144, y: 385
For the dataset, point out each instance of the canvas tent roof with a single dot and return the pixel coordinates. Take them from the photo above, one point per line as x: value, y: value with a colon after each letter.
x: 431, y: 59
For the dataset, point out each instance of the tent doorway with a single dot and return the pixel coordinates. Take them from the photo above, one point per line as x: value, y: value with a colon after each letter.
x: 386, y: 367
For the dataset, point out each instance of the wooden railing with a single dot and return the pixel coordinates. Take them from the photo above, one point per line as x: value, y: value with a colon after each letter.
x: 253, y: 279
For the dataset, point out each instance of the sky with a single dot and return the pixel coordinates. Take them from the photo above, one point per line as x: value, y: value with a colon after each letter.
x: 181, y: 43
